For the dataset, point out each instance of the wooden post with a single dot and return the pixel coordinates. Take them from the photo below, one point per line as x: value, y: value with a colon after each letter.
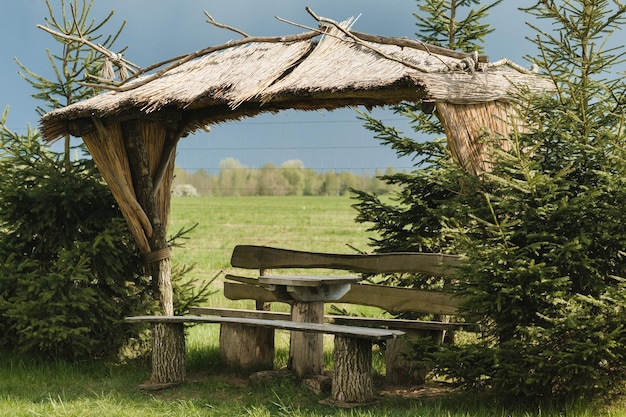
x: 402, y: 368
x: 246, y: 348
x: 400, y: 365
x: 168, y: 355
x: 466, y: 125
x: 168, y: 340
x: 352, y: 382
x: 260, y: 305
x: 306, y: 354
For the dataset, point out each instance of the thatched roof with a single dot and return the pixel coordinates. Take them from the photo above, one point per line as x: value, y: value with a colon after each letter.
x: 329, y: 71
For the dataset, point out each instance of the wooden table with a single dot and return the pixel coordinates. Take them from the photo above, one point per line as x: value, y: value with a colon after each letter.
x: 308, y: 295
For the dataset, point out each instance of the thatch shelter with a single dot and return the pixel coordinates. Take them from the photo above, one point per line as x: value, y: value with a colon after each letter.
x: 132, y: 130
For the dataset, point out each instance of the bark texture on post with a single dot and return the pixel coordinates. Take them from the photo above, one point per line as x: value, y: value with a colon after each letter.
x: 306, y: 354
x: 401, y: 368
x: 168, y: 341
x: 352, y: 382
x: 247, y: 348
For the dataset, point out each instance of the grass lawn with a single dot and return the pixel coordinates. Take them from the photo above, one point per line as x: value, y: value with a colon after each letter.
x: 30, y: 387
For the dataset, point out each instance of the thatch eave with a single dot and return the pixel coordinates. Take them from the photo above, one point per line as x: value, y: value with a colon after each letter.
x: 210, y: 112
x: 246, y: 80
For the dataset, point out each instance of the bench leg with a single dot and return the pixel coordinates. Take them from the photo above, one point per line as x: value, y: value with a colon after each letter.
x: 306, y: 351
x: 248, y: 348
x: 168, y: 353
x: 403, y: 368
x: 352, y: 382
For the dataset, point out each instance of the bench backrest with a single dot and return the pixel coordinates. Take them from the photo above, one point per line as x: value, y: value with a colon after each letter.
x: 264, y: 257
x: 393, y: 299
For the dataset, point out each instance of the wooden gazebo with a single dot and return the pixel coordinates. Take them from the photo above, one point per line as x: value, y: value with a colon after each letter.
x: 132, y: 129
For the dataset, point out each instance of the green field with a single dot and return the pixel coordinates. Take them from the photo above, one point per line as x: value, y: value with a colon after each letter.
x: 307, y: 223
x: 30, y: 387
x: 303, y: 223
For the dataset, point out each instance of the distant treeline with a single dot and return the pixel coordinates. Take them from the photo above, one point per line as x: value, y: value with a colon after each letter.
x: 291, y: 178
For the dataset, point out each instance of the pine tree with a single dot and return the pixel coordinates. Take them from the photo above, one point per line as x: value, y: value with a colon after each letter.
x: 69, y: 267
x: 74, y: 63
x: 412, y: 220
x: 439, y: 23
x: 544, y: 232
x: 545, y: 237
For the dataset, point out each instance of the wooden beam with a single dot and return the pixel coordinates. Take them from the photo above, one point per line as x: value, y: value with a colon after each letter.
x: 257, y: 257
x: 395, y: 300
x: 243, y: 280
x: 416, y: 44
x: 167, y: 154
x: 234, y: 291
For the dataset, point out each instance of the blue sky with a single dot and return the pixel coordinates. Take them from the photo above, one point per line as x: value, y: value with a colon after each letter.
x: 160, y: 29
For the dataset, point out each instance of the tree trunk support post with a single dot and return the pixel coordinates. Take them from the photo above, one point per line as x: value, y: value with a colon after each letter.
x: 168, y: 340
x: 352, y: 382
x: 306, y: 352
x: 248, y: 348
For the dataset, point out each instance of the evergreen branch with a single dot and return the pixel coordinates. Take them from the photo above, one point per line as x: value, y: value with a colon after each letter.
x: 116, y: 58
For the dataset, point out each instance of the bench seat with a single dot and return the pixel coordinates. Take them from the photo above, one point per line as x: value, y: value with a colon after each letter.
x: 369, y: 333
x: 386, y: 323
x: 352, y: 383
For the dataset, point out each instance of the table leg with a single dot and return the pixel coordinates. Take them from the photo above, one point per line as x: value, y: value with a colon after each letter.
x: 306, y: 354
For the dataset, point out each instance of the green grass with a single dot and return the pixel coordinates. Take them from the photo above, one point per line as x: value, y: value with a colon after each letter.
x: 32, y: 387
x: 305, y: 223
x: 323, y: 224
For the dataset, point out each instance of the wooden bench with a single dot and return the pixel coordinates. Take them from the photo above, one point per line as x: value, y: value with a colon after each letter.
x: 352, y: 382
x: 392, y: 299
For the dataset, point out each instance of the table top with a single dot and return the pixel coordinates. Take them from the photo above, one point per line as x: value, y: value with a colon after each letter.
x: 306, y: 280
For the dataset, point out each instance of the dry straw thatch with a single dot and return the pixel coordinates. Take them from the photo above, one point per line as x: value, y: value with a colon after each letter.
x: 323, y: 72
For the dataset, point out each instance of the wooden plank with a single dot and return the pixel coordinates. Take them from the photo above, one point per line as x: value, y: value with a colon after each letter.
x: 236, y: 312
x: 397, y: 300
x: 398, y: 324
x: 335, y: 329
x: 234, y: 291
x: 263, y: 257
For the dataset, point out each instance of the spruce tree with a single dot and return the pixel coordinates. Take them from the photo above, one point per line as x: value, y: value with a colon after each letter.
x: 544, y: 233
x: 74, y: 62
x: 69, y: 268
x: 412, y: 219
